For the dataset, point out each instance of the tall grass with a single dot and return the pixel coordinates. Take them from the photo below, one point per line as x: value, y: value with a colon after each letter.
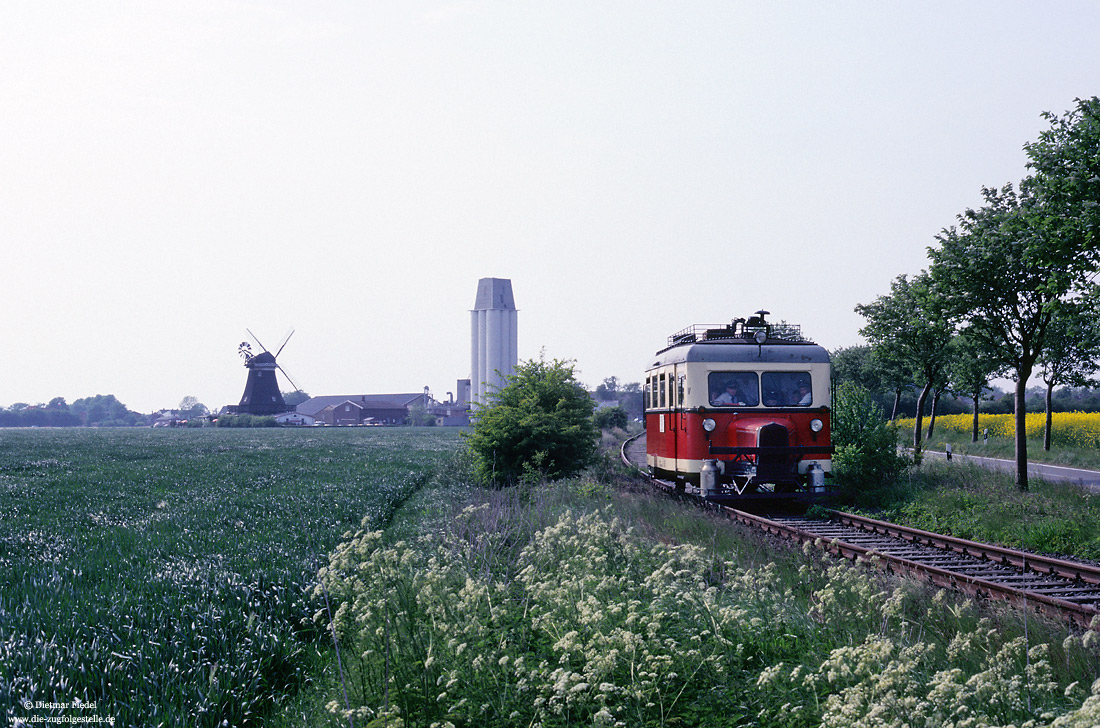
x: 165, y: 575
x: 581, y: 603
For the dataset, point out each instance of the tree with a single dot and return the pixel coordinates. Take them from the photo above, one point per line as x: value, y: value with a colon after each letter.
x: 419, y: 416
x: 293, y: 399
x: 970, y: 370
x: 854, y: 364
x: 608, y: 390
x: 896, y: 375
x: 104, y: 410
x: 630, y: 399
x: 1066, y: 186
x: 1000, y: 279
x: 190, y: 406
x: 911, y: 328
x: 611, y: 417
x: 1072, y: 349
x: 940, y: 385
x: 540, y: 423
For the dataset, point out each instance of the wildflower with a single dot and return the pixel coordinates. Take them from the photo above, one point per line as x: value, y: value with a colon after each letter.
x: 769, y: 674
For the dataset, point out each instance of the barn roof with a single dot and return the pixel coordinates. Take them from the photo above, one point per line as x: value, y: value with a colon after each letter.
x: 313, y: 405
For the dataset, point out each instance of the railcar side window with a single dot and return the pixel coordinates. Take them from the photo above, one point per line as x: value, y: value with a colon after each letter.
x: 680, y: 391
x: 662, y: 390
x: 733, y: 389
x: 786, y: 389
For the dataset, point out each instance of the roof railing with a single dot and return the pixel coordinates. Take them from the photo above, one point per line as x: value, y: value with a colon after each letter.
x: 737, y: 330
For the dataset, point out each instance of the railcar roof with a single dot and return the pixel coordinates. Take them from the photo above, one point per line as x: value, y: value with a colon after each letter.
x: 774, y: 352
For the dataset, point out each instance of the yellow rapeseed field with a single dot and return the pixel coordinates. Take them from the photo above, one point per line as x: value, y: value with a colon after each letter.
x: 1069, y: 429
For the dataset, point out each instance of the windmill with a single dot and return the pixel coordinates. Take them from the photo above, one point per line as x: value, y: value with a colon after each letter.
x: 261, y: 391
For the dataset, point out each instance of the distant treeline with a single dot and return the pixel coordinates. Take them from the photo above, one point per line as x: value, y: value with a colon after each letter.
x: 102, y: 410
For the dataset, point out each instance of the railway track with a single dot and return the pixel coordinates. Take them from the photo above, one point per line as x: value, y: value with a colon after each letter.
x: 1057, y: 587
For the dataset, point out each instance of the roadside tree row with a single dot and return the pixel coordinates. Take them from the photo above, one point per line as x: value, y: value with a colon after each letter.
x: 1011, y: 289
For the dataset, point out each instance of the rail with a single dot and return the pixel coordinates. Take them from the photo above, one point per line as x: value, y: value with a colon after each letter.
x: 1054, y: 586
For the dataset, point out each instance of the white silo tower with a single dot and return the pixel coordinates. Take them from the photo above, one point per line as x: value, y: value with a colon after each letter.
x: 493, y: 338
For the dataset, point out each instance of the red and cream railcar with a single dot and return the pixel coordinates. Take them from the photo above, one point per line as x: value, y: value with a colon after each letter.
x: 740, y: 411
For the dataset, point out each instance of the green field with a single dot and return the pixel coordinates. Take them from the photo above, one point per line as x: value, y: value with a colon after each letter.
x: 165, y: 575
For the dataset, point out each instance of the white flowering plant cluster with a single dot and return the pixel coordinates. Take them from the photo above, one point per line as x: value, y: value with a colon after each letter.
x: 944, y: 668
x: 584, y: 622
x: 591, y: 625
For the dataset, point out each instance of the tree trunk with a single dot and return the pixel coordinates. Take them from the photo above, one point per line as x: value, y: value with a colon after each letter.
x: 897, y: 400
x: 919, y: 423
x: 1046, y: 431
x: 1021, y: 429
x: 932, y: 419
x: 977, y: 398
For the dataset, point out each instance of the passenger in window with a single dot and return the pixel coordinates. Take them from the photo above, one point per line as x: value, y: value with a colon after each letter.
x: 730, y: 397
x: 805, y: 396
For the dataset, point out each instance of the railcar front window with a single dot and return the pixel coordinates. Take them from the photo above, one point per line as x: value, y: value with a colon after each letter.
x: 662, y: 390
x: 733, y: 389
x: 787, y: 389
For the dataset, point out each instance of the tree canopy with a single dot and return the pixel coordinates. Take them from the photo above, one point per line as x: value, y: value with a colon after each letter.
x: 1065, y: 182
x: 997, y: 273
x: 911, y: 327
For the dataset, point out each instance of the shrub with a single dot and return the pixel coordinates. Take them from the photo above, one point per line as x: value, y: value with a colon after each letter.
x: 247, y: 421
x: 866, y: 458
x: 609, y: 418
x: 539, y: 425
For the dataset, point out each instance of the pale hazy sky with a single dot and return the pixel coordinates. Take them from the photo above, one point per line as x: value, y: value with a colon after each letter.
x: 172, y: 173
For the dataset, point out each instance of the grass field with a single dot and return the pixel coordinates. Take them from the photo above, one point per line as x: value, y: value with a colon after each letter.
x: 165, y: 575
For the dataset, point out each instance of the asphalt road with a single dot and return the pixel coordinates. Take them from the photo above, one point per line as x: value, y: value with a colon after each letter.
x: 1088, y: 478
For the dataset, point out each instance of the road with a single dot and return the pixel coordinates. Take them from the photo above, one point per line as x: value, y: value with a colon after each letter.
x: 1088, y: 478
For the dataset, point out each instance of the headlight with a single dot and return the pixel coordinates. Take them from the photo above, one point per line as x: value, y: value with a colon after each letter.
x: 816, y: 425
x: 709, y: 425
x: 760, y: 337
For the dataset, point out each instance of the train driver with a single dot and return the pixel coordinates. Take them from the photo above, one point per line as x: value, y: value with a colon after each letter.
x: 806, y: 397
x: 730, y: 397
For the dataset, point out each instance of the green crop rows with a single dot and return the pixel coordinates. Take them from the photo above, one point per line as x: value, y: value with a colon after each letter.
x: 164, y: 575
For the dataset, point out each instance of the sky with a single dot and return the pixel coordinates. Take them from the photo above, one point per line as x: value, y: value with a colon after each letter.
x: 173, y: 174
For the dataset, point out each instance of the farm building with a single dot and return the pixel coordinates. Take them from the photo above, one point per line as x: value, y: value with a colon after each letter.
x: 363, y: 409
